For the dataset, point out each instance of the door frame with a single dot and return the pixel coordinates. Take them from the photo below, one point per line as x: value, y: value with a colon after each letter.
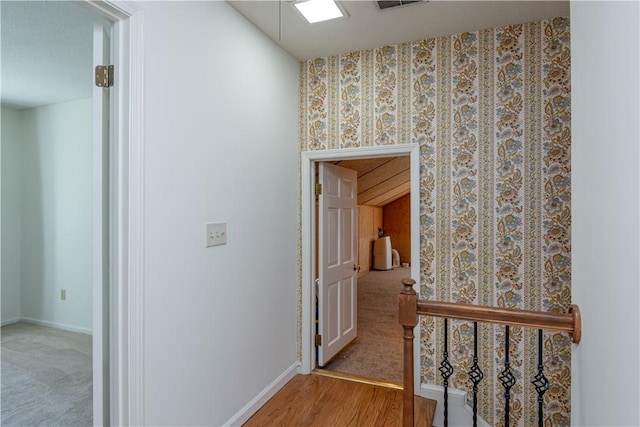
x: 308, y: 160
x: 126, y: 168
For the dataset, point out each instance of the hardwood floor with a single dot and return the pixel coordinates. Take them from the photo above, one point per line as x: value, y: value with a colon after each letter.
x: 315, y: 400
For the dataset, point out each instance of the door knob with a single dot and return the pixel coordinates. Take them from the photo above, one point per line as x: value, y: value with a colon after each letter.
x: 356, y: 267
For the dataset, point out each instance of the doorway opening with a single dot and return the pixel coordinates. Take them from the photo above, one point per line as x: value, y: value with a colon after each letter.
x: 375, y: 283
x: 55, y: 344
x: 383, y: 247
x: 117, y: 378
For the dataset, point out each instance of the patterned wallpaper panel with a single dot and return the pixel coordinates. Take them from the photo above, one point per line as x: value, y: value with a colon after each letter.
x: 491, y: 113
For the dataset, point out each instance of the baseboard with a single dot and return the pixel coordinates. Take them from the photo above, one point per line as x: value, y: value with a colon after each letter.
x: 460, y: 414
x: 481, y: 421
x: 56, y: 325
x: 10, y: 321
x: 267, y: 393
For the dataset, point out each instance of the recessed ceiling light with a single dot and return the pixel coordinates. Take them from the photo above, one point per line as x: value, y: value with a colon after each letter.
x: 318, y: 10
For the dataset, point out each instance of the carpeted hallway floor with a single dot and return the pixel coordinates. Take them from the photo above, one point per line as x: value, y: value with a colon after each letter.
x: 46, y: 377
x: 377, y: 351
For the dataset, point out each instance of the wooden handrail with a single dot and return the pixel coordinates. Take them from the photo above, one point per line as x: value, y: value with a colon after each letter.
x: 410, y: 307
x: 563, y: 322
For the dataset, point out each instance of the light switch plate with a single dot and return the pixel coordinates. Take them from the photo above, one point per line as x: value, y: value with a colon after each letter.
x: 216, y: 234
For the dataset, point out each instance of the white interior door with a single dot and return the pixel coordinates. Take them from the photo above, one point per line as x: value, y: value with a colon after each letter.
x: 337, y: 258
x: 101, y: 56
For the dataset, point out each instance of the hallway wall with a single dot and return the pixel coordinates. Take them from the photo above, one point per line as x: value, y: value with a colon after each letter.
x: 220, y: 323
x: 606, y: 199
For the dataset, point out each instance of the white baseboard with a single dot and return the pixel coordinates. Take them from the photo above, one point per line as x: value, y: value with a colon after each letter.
x: 267, y: 393
x: 460, y: 414
x: 56, y: 325
x: 10, y: 321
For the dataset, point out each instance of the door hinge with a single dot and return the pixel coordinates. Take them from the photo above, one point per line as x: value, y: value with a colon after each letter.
x: 104, y: 75
x: 318, y: 340
x: 318, y: 189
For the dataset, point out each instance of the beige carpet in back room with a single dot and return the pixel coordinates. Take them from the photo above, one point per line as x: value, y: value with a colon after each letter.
x: 46, y: 377
x: 377, y: 351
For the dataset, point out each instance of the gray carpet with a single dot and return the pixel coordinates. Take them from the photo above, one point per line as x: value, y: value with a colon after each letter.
x: 46, y: 377
x: 377, y: 351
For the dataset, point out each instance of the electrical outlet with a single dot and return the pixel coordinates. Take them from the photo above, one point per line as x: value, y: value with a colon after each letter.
x: 63, y: 294
x: 216, y: 234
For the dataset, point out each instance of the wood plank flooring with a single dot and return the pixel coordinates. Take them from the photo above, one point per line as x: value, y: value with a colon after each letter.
x: 315, y: 400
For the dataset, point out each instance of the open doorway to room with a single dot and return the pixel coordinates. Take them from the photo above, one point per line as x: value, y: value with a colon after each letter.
x: 375, y: 296
x: 383, y: 259
x: 55, y: 216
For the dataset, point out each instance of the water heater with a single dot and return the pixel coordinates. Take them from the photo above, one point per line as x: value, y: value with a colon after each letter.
x: 382, y: 254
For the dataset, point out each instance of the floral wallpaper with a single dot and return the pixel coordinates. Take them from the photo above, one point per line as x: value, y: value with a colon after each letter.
x: 490, y: 111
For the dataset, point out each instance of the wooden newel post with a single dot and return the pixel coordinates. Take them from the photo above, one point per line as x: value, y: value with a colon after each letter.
x: 408, y: 318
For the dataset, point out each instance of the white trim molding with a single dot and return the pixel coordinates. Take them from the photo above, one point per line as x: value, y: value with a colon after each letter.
x: 10, y: 321
x: 267, y: 393
x: 55, y: 325
x: 308, y: 161
x: 134, y: 303
x: 460, y: 414
x: 126, y: 233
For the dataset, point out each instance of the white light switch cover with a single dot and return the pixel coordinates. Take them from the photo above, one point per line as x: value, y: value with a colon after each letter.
x: 216, y: 234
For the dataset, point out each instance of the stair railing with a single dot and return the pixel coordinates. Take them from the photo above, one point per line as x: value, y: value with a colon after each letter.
x: 410, y: 307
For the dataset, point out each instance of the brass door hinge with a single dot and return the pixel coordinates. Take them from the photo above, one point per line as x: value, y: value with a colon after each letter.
x: 104, y: 75
x: 318, y: 189
x: 318, y: 340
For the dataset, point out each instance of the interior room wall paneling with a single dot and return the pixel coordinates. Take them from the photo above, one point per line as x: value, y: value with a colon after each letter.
x: 57, y: 208
x: 491, y: 111
x: 220, y: 323
x: 378, y: 219
x: 397, y: 224
x: 11, y: 189
x: 606, y: 169
x: 369, y: 220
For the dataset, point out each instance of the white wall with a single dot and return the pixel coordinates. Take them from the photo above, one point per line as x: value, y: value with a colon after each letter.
x: 220, y: 145
x: 605, y: 165
x: 11, y: 185
x: 56, y: 214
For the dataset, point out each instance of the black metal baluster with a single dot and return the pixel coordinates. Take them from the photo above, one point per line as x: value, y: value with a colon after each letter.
x: 446, y: 370
x: 475, y: 374
x: 540, y: 381
x: 506, y: 377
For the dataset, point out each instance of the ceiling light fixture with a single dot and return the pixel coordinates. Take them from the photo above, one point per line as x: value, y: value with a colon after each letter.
x: 318, y: 10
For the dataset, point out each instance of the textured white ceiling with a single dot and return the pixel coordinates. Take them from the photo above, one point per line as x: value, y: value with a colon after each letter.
x: 46, y: 52
x: 367, y: 27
